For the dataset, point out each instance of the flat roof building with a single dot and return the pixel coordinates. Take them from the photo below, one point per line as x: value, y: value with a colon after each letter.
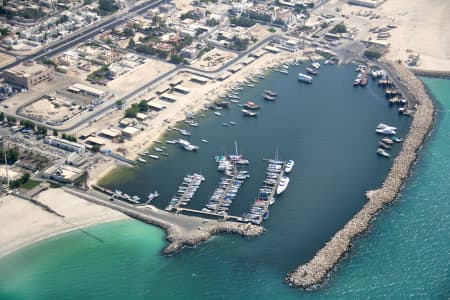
x: 366, y: 3
x: 65, y: 144
x: 28, y: 74
x: 62, y: 173
x: 130, y: 132
x: 168, y: 97
x: 84, y: 89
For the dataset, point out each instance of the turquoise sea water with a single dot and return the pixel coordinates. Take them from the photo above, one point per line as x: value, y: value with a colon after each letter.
x: 405, y: 254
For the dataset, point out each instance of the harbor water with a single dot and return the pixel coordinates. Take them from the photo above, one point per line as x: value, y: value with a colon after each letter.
x: 328, y: 129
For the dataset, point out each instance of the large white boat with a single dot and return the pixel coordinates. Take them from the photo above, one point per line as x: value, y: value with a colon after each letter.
x: 383, y: 126
x: 386, y: 131
x: 304, y: 78
x: 315, y: 65
x: 290, y: 164
x: 282, y: 185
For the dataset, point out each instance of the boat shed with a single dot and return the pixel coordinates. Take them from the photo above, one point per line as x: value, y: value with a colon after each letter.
x: 110, y: 133
x: 224, y: 75
x: 92, y: 140
x: 156, y: 104
x: 272, y: 49
x: 199, y: 79
x: 248, y: 61
x: 168, y: 97
x: 258, y: 53
x: 181, y: 89
x: 235, y: 68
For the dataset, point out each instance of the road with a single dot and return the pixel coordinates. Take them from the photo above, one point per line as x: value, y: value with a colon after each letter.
x: 86, y: 34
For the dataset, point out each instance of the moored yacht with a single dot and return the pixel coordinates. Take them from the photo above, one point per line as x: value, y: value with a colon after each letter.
x: 289, y: 166
x: 282, y: 185
x: 304, y: 78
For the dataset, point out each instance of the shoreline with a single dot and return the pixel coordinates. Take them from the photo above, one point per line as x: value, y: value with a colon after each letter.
x: 315, y: 272
x: 29, y: 223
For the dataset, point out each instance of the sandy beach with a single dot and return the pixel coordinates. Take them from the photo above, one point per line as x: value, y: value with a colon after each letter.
x: 23, y: 223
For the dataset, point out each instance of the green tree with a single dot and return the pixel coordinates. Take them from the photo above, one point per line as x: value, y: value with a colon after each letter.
x: 2, y: 116
x: 11, y: 120
x: 55, y: 132
x: 143, y: 106
x: 176, y: 59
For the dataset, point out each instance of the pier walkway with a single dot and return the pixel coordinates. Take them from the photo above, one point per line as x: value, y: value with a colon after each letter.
x: 213, y: 214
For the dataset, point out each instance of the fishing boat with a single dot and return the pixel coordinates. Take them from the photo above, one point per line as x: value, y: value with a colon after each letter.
x: 387, y: 141
x: 364, y: 81
x: 289, y: 166
x: 157, y: 149
x: 217, y: 113
x: 152, y: 196
x: 232, y: 123
x: 282, y: 185
x: 356, y: 82
x: 270, y: 93
x: 234, y: 101
x: 141, y: 160
x: 396, y: 139
x: 164, y: 154
x: 269, y: 98
x: 249, y: 113
x: 315, y: 65
x: 266, y: 215
x: 204, y: 141
x: 154, y: 156
x: 251, y: 105
x: 382, y: 152
x: 386, y: 131
x: 304, y: 78
x: 311, y: 71
x: 171, y: 142
x: 284, y: 71
x: 190, y: 147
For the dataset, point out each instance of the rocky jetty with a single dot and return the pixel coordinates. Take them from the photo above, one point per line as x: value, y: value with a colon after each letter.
x: 314, y: 272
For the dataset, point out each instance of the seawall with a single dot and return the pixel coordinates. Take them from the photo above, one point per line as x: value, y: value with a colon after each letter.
x: 314, y: 272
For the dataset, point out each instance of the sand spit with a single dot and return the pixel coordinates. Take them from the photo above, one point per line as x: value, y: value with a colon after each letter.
x: 314, y: 272
x: 182, y: 230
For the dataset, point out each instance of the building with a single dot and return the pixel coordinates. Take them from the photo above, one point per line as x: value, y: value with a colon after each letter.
x: 63, y: 173
x: 29, y: 74
x: 65, y: 144
x: 79, y: 88
x: 366, y: 3
x: 129, y: 132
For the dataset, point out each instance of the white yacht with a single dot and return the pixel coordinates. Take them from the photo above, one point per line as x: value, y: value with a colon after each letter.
x: 290, y: 164
x: 304, y: 78
x: 282, y: 185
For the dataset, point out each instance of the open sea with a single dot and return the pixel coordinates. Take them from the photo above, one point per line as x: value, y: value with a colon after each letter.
x: 328, y: 129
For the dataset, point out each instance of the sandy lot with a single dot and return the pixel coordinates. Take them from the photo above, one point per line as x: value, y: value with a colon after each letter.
x: 214, y: 59
x: 23, y: 223
x: 139, y: 76
x: 422, y: 27
x: 6, y: 59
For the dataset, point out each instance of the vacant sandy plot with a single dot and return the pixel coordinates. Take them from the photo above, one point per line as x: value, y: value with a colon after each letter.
x: 214, y: 59
x: 422, y: 27
x: 6, y: 59
x: 46, y: 110
x: 139, y: 76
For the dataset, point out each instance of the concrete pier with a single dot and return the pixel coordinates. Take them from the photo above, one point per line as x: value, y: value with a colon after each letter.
x: 181, y: 230
x: 317, y: 269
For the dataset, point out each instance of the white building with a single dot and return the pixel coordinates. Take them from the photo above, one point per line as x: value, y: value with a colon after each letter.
x: 65, y: 144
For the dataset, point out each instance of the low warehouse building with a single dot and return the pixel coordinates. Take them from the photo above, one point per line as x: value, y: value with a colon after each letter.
x: 65, y: 144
